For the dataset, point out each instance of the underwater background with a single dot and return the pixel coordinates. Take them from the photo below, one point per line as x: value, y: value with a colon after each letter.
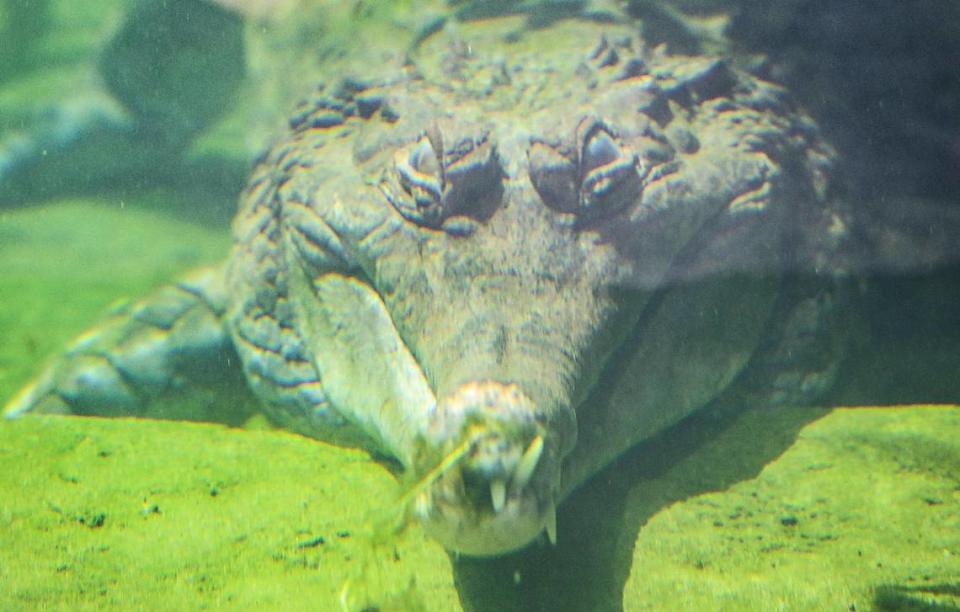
x: 126, y: 132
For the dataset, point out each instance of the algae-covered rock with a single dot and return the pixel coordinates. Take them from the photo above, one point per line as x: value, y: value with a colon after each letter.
x: 152, y: 514
x: 862, y: 512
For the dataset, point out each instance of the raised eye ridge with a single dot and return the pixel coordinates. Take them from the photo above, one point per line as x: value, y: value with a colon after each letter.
x: 554, y: 175
x: 465, y: 179
x: 418, y: 170
x: 593, y: 179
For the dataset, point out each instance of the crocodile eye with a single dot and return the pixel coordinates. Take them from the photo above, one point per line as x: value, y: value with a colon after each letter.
x: 592, y: 179
x: 438, y: 181
x: 609, y: 179
x: 421, y: 177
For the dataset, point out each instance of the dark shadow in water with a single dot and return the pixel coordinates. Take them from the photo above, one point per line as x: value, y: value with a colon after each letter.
x: 597, y: 527
x: 202, y: 190
x: 899, y: 597
x: 907, y: 349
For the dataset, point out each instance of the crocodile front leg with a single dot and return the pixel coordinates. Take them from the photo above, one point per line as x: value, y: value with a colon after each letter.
x: 166, y: 356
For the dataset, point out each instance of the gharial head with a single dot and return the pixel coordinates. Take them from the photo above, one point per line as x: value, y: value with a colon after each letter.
x: 500, y: 285
x: 491, y: 228
x: 513, y: 211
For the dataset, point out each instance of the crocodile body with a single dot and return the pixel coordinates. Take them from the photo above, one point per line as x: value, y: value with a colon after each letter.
x: 502, y: 264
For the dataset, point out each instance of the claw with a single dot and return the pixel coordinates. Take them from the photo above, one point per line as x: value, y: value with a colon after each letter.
x: 498, y: 494
x: 528, y: 462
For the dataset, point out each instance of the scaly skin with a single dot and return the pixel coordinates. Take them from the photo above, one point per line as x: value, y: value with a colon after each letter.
x: 509, y: 262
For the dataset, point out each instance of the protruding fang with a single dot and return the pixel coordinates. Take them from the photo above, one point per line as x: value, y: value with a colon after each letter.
x: 498, y: 494
x: 551, y: 525
x: 528, y: 463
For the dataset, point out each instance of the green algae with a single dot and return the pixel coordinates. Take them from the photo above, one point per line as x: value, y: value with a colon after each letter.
x: 861, y: 512
x: 163, y: 515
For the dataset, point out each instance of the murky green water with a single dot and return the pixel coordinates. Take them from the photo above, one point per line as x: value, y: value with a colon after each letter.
x: 126, y: 133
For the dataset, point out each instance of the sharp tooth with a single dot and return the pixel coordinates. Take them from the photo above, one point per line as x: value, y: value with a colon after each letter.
x: 552, y: 524
x: 528, y: 462
x: 498, y: 494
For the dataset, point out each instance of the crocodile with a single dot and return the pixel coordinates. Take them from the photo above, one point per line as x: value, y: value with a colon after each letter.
x: 502, y: 263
